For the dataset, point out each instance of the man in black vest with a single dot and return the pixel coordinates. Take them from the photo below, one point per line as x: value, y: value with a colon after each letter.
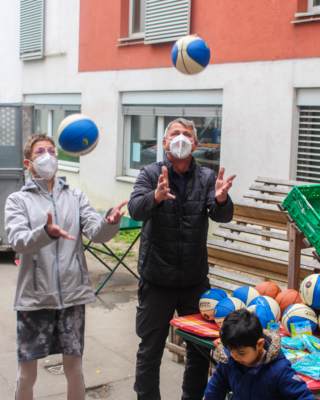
x: 174, y: 199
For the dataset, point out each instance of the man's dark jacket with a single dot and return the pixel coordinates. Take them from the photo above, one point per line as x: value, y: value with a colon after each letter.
x: 173, y: 246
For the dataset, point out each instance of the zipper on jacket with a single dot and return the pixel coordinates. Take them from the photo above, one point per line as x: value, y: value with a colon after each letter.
x: 81, y: 273
x: 57, y: 249
x: 180, y: 220
x: 35, y: 275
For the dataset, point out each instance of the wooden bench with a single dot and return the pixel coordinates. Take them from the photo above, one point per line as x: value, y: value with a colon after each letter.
x: 254, y: 246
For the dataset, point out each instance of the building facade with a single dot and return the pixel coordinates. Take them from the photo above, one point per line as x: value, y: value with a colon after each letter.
x: 256, y: 106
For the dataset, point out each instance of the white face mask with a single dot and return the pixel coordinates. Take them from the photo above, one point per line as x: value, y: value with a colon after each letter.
x: 45, y: 166
x: 180, y: 146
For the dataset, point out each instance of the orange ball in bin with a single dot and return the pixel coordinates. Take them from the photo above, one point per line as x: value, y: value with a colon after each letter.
x: 268, y: 289
x: 287, y: 298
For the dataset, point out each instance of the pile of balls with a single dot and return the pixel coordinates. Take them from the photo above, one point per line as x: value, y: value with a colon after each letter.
x: 268, y: 302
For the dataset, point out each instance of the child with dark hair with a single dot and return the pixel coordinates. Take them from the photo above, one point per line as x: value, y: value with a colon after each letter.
x: 251, y: 363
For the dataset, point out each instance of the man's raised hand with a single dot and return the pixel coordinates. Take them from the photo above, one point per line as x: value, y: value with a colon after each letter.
x: 116, y: 214
x: 162, y: 191
x: 55, y: 231
x: 222, y: 186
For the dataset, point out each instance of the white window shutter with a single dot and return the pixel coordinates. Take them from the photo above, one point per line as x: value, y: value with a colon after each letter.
x: 167, y: 20
x: 31, y: 29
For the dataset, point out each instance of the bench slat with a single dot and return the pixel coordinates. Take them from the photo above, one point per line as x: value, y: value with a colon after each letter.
x: 250, y: 270
x: 255, y: 260
x: 254, y: 231
x: 269, y: 212
x: 258, y: 242
x: 264, y: 197
x: 260, y: 222
x: 270, y: 255
x: 234, y: 277
x: 270, y: 189
x: 223, y: 284
x: 282, y: 182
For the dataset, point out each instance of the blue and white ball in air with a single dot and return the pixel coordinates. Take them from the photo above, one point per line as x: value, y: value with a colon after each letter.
x: 268, y: 302
x: 245, y: 294
x: 77, y: 135
x: 264, y: 314
x: 190, y: 55
x: 225, y: 307
x: 310, y: 291
x: 298, y: 313
x: 209, y: 300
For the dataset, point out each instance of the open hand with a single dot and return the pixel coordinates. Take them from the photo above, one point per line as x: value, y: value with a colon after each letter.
x: 162, y: 191
x: 116, y: 214
x: 55, y: 231
x: 222, y: 186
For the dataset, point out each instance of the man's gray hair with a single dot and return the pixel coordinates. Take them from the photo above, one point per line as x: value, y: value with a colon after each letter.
x: 185, y: 123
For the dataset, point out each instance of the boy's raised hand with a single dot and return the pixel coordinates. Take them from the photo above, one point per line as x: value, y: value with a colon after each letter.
x: 55, y: 231
x: 116, y: 214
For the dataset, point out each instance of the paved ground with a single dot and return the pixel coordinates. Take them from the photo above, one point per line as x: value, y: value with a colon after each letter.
x: 110, y: 342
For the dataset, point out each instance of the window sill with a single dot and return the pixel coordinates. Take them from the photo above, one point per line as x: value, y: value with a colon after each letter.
x: 127, y: 179
x: 131, y: 38
x: 69, y: 166
x: 309, y: 14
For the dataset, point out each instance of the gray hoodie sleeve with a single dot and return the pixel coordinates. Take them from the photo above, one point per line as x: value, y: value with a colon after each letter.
x: 21, y: 238
x: 93, y: 226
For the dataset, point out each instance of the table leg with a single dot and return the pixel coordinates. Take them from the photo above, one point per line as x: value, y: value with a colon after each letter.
x: 120, y: 261
x: 205, y: 354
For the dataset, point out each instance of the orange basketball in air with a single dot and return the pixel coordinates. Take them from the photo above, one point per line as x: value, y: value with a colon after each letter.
x: 287, y: 298
x: 268, y: 289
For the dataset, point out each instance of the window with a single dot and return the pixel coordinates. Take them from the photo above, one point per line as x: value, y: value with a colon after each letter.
x: 31, y: 29
x: 167, y: 20
x: 48, y: 120
x: 137, y: 18
x: 308, y: 160
x: 145, y: 126
x: 314, y: 5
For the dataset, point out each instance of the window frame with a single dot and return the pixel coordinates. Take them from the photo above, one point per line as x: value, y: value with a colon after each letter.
x: 130, y: 172
x: 312, y: 8
x: 137, y: 35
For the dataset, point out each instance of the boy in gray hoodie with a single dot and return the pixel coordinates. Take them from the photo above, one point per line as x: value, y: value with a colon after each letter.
x: 45, y: 222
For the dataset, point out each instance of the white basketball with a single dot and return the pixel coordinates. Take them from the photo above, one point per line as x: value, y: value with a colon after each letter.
x: 298, y: 313
x: 310, y: 291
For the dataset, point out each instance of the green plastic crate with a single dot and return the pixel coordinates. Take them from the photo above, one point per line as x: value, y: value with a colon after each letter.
x: 303, y: 205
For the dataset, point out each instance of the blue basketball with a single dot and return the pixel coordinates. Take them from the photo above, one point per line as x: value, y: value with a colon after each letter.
x: 245, y: 294
x: 77, y: 135
x: 190, y: 55
x: 225, y: 307
x: 298, y: 313
x: 209, y: 300
x: 264, y: 314
x: 268, y: 302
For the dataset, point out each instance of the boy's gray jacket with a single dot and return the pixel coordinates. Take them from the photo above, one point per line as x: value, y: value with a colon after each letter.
x: 53, y: 272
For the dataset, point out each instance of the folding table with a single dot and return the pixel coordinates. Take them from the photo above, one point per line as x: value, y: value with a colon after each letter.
x: 126, y: 224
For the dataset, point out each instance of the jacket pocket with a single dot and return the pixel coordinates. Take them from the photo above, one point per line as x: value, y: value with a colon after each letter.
x: 81, y: 272
x: 35, y: 274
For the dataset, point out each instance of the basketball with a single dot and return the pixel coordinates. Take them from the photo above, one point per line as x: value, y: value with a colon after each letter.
x: 264, y: 314
x: 245, y: 294
x: 77, y: 135
x: 268, y: 289
x: 310, y: 291
x: 190, y: 55
x: 225, y: 307
x: 209, y: 300
x: 271, y: 303
x: 286, y: 298
x: 298, y: 313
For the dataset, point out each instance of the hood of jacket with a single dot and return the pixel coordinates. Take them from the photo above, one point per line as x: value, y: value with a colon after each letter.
x: 41, y: 185
x: 222, y: 355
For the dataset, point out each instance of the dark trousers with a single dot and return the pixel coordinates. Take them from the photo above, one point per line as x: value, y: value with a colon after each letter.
x: 156, y: 308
